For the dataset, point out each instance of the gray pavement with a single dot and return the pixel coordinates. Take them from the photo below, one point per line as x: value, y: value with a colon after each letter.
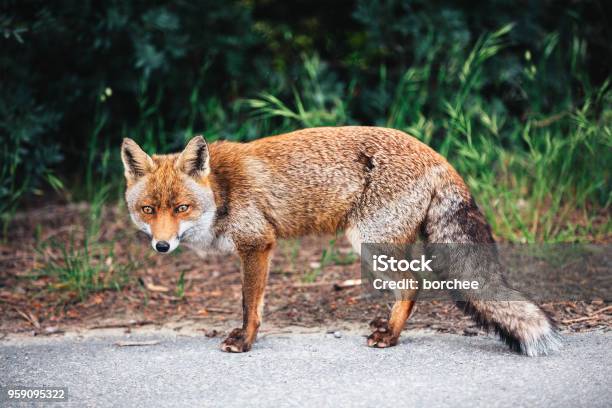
x: 303, y: 370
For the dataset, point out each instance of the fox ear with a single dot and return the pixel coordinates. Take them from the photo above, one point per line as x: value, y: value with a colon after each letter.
x: 135, y: 161
x: 194, y: 160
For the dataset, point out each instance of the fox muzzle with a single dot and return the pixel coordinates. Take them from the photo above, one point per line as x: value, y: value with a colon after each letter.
x: 163, y: 246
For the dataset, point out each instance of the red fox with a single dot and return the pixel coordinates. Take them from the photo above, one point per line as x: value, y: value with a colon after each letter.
x: 375, y: 184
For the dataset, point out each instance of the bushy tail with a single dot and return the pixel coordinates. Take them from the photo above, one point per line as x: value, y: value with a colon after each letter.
x: 453, y: 217
x: 522, y: 325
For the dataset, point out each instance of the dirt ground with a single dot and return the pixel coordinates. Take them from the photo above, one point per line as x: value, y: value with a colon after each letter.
x: 301, y: 292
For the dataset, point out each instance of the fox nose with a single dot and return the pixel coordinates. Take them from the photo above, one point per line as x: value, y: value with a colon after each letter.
x: 162, y: 246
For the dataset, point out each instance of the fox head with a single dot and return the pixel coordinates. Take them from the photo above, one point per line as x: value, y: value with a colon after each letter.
x: 169, y: 197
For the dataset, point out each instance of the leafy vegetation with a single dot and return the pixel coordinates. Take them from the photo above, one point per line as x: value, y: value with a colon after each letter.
x: 180, y: 286
x: 518, y: 101
x: 84, y: 267
x: 84, y: 264
x: 538, y: 178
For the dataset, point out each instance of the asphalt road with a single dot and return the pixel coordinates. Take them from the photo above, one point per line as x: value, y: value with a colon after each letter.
x: 303, y: 370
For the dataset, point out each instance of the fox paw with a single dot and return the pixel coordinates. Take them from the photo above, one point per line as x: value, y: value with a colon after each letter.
x: 380, y: 324
x: 235, y: 342
x: 382, y: 336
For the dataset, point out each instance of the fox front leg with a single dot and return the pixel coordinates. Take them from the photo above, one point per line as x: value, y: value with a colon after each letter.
x: 255, y: 266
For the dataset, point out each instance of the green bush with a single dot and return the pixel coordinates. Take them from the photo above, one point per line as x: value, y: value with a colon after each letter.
x: 512, y: 109
x: 532, y: 174
x: 26, y: 153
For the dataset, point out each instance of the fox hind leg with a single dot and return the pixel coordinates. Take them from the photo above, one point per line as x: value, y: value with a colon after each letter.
x: 386, y: 331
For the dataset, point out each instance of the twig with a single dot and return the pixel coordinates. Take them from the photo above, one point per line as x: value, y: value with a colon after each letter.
x: 349, y: 283
x: 312, y: 284
x: 149, y: 285
x: 275, y: 333
x: 218, y: 310
x: 122, y: 325
x: 589, y: 317
x: 136, y: 343
x: 30, y: 318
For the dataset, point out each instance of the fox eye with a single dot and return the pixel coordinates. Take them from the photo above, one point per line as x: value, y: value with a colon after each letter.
x: 181, y: 208
x: 147, y: 209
